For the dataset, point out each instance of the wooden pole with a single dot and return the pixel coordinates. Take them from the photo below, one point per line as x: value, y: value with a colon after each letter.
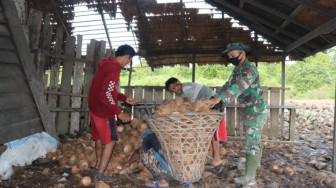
x: 130, y: 73
x: 283, y: 72
x: 193, y: 68
x: 103, y: 18
x: 334, y: 142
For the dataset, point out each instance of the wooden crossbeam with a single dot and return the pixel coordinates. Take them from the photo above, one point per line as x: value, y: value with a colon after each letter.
x: 318, y: 8
x: 260, y: 20
x: 298, y: 9
x: 325, y: 28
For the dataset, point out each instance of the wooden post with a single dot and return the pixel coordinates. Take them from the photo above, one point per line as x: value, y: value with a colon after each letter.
x: 138, y: 91
x: 283, y: 65
x: 87, y: 79
x: 129, y: 94
x: 77, y: 87
x: 64, y: 117
x: 158, y: 95
x: 334, y: 141
x: 231, y: 120
x: 54, y: 72
x: 130, y: 73
x: 292, y: 124
x: 265, y: 130
x: 168, y: 95
x: 46, y: 45
x: 193, y: 68
x: 34, y: 28
x: 274, y: 113
x: 148, y: 94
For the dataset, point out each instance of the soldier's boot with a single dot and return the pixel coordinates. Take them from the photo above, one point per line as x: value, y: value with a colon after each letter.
x: 252, y: 162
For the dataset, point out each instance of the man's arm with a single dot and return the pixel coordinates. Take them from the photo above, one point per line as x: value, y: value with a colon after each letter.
x: 238, y: 87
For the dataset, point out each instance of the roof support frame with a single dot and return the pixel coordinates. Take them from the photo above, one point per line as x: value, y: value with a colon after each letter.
x: 288, y: 19
x: 315, y: 7
x: 325, y: 28
x: 259, y: 20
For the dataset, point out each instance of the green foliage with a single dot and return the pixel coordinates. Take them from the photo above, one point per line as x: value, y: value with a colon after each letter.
x: 313, y: 78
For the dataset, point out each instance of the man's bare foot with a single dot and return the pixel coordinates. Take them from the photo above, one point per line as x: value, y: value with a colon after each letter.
x: 160, y: 183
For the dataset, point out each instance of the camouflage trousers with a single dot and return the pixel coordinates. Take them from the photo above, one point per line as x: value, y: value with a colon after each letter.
x: 253, y: 128
x: 150, y: 161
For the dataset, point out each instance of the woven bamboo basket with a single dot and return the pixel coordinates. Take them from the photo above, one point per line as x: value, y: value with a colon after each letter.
x: 185, y: 141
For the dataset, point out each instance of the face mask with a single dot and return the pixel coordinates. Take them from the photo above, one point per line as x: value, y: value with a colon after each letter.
x: 235, y: 61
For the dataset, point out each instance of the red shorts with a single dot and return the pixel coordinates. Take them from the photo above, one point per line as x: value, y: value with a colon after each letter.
x: 103, y: 129
x: 220, y: 134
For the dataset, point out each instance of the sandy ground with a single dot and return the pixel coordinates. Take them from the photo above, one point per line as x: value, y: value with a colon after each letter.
x: 309, y: 102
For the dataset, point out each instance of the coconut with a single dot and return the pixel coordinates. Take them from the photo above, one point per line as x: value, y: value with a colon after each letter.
x: 72, y: 160
x: 128, y: 148
x: 64, y: 147
x: 222, y: 151
x: 93, y: 143
x: 51, y: 155
x: 123, y: 172
x: 132, y: 139
x: 88, y: 150
x: 135, y: 123
x: 75, y: 169
x: 134, y: 132
x: 80, y: 156
x: 91, y: 157
x: 128, y: 127
x: 83, y: 165
x: 120, y: 129
x: 86, y: 181
x: 101, y: 184
x: 143, y: 126
x: 62, y: 161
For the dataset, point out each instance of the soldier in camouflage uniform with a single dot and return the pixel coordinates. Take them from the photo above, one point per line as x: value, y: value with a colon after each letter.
x: 244, y: 83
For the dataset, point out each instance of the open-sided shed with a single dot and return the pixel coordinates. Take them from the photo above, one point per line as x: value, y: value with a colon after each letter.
x: 167, y: 34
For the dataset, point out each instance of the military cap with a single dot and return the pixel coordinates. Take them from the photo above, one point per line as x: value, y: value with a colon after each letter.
x: 236, y: 46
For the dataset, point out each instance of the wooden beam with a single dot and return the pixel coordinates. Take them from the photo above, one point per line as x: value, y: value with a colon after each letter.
x: 290, y: 18
x: 298, y: 9
x: 310, y: 4
x: 100, y: 10
x: 241, y: 3
x: 219, y: 52
x: 325, y: 28
x: 28, y: 66
x: 255, y: 25
x: 58, y: 17
x: 257, y: 19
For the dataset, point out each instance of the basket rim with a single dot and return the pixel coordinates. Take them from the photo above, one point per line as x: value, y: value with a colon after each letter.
x: 186, y: 114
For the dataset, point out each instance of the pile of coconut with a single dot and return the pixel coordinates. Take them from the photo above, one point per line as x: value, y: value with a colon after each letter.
x: 178, y: 106
x: 79, y: 155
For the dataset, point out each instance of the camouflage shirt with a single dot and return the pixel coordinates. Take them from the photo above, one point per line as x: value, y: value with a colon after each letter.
x: 244, y: 83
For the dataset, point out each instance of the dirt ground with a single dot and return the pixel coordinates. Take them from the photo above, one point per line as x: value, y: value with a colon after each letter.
x: 306, y: 164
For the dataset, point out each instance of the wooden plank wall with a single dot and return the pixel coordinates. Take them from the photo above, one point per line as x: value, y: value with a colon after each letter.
x: 19, y: 115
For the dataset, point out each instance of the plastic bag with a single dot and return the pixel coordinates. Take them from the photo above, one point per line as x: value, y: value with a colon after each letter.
x: 24, y: 151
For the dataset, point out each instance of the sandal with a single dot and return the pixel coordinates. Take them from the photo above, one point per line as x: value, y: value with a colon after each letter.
x: 187, y: 184
x: 155, y: 184
x: 212, y: 166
